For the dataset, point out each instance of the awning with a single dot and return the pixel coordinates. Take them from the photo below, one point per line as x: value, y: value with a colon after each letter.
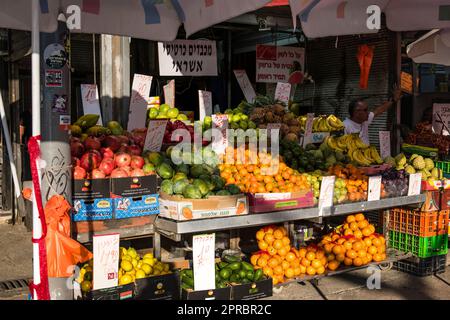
x: 433, y: 47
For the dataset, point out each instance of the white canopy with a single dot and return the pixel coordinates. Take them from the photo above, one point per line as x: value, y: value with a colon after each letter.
x: 433, y: 47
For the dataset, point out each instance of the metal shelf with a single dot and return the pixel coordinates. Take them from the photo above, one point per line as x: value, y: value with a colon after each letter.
x: 172, y: 228
x: 125, y: 233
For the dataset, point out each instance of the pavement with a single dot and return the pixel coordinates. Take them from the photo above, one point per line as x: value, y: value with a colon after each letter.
x: 16, y: 263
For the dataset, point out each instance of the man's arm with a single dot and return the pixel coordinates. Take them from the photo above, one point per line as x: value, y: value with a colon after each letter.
x: 385, y: 106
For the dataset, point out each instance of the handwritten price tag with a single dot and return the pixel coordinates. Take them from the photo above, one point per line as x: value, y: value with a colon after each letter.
x: 220, y: 121
x: 155, y: 135
x: 169, y: 93
x: 283, y: 92
x: 140, y: 91
x: 203, y: 247
x: 246, y: 86
x: 204, y: 103
x: 89, y: 98
x: 106, y: 260
x: 308, y: 129
x: 374, y: 191
x: 385, y: 144
x: 326, y: 193
x: 415, y: 183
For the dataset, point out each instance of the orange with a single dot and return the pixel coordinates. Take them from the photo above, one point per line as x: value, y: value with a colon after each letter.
x: 290, y: 256
x: 320, y: 270
x: 268, y: 271
x: 310, y: 256
x: 357, y: 262
x: 377, y: 257
x: 302, y: 269
x: 269, y: 238
x: 278, y: 244
x: 295, y: 263
x: 297, y: 271
x: 271, y: 250
x: 354, y: 226
x: 365, y: 260
x: 285, y: 264
x: 278, y: 270
x: 372, y: 250
x: 369, y: 257
x: 348, y: 261
x: 337, y: 249
x: 310, y: 271
x: 328, y: 247
x: 340, y: 240
x: 357, y: 245
x: 260, y: 235
x: 358, y: 234
x: 367, y: 242
x: 324, y: 261
x: 273, y: 262
x: 348, y: 232
x: 333, y: 265
x: 282, y: 251
x: 383, y: 256
x: 286, y: 241
x: 334, y: 237
x: 351, y: 254
x: 262, y: 262
x: 362, y: 224
x: 348, y: 245
x: 262, y: 245
x: 372, y: 228
x: 253, y: 259
x: 316, y: 263
x: 366, y: 232
x: 331, y: 257
x: 340, y: 257
x: 350, y: 218
x: 376, y: 242
x: 383, y: 241
x: 362, y: 253
x: 305, y: 262
x: 327, y: 238
x: 381, y: 249
x: 359, y: 217
x: 302, y: 253
x: 320, y: 254
x: 289, y: 273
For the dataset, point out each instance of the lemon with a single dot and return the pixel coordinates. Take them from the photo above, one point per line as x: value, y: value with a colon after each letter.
x: 126, y: 279
x: 140, y: 274
x: 86, y: 286
x: 134, y: 262
x: 132, y: 252
x: 156, y: 272
x: 150, y: 262
x: 166, y: 267
x: 159, y: 266
x: 146, y: 268
x: 127, y: 258
x: 153, y: 113
x: 126, y: 265
x: 139, y: 265
x: 148, y: 256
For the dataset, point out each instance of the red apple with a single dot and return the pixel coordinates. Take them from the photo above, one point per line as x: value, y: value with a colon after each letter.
x: 107, y: 153
x: 122, y: 160
x: 137, y: 173
x: 119, y: 173
x: 79, y: 173
x: 107, y: 166
x: 97, y: 174
x: 137, y: 162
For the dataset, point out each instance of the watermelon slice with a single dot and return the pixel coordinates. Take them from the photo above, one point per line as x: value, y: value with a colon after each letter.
x: 296, y: 77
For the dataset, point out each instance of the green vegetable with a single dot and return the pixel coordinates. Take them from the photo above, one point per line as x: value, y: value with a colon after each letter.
x: 189, y: 273
x: 183, y: 168
x: 188, y: 281
x: 155, y: 158
x: 221, y: 285
x: 233, y: 189
x: 258, y: 275
x: 229, y: 258
x: 202, y: 186
x: 247, y: 266
x: 179, y: 186
x: 243, y: 274
x: 167, y: 187
x: 223, y: 193
x: 235, y: 266
x: 218, y: 181
x: 165, y: 171
x: 223, y: 264
x: 191, y: 192
x: 225, y: 273
x: 185, y: 286
x: 197, y: 170
x: 234, y: 278
x: 250, y: 275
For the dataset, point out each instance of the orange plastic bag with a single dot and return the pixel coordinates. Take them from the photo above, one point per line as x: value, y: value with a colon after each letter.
x: 365, y: 57
x: 63, y: 253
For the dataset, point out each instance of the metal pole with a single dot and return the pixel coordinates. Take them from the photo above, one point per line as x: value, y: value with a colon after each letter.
x: 398, y: 66
x: 229, y: 69
x: 36, y: 122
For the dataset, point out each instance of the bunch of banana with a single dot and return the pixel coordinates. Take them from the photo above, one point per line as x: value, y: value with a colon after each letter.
x: 355, y: 148
x: 335, y: 123
x: 335, y: 144
x: 323, y: 123
x: 358, y: 156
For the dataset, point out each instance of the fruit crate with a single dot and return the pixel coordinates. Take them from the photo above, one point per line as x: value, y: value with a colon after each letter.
x: 422, y: 247
x: 422, y: 267
x: 419, y: 223
x: 444, y: 166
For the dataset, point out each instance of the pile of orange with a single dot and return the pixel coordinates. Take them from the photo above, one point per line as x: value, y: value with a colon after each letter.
x: 355, y: 243
x: 255, y: 173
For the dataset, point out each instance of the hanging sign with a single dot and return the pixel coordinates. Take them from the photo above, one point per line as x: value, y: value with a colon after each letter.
x: 187, y: 58
x: 415, y: 182
x: 283, y: 92
x: 203, y: 248
x: 106, y: 261
x: 385, y: 144
x: 441, y: 118
x: 308, y: 129
x: 279, y: 64
x: 406, y: 82
x: 246, y: 86
x: 204, y: 103
x: 155, y: 135
x: 326, y: 193
x: 220, y: 122
x: 169, y: 93
x: 140, y: 92
x: 374, y: 188
x: 89, y: 98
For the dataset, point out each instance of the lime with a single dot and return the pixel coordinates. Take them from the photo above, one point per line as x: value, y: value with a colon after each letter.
x: 244, y: 117
x: 153, y: 113
x: 162, y: 116
x: 251, y: 125
x: 172, y: 113
x: 86, y: 286
x: 126, y: 265
x: 243, y: 125
x: 164, y: 108
x: 207, y: 121
x: 236, y: 118
x: 234, y: 125
x: 146, y: 268
x: 229, y: 111
x: 182, y: 117
x: 140, y: 274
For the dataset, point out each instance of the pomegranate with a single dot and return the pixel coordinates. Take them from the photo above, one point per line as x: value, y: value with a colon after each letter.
x: 127, y: 169
x: 107, y: 153
x: 134, y: 150
x: 123, y: 139
x: 90, y: 160
x: 79, y: 173
x: 137, y: 162
x: 76, y: 149
x: 112, y: 142
x: 119, y: 173
x: 107, y: 166
x: 92, y: 143
x: 137, y: 173
x: 122, y: 160
x: 97, y: 174
x: 75, y: 162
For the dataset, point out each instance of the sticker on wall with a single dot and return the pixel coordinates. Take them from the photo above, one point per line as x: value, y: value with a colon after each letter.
x: 59, y: 103
x: 53, y: 78
x: 64, y: 122
x: 55, y: 56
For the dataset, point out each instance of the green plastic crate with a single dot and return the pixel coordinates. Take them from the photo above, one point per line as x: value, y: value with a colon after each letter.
x: 422, y: 247
x: 444, y: 166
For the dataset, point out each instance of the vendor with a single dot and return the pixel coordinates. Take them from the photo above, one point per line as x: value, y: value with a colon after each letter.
x: 361, y: 118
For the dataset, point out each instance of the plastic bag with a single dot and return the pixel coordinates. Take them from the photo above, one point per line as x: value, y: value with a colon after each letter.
x: 365, y: 57
x: 63, y: 253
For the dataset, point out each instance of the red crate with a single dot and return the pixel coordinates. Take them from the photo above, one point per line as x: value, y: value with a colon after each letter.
x: 419, y: 223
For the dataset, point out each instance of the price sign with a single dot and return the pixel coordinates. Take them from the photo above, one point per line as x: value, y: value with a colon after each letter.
x: 374, y: 189
x: 283, y: 92
x: 203, y: 247
x: 441, y: 118
x: 308, y: 128
x: 220, y: 122
x: 140, y: 91
x: 385, y: 144
x: 169, y: 93
x: 406, y: 82
x: 204, y: 103
x: 326, y: 193
x: 89, y: 98
x: 415, y: 182
x: 106, y: 260
x: 155, y: 135
x: 246, y: 86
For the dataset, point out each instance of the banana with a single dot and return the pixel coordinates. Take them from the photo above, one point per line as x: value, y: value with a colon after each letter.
x: 341, y: 143
x: 323, y: 125
x: 334, y: 123
x: 359, y: 157
x: 360, y: 144
x: 368, y: 155
x: 375, y: 155
x: 315, y: 125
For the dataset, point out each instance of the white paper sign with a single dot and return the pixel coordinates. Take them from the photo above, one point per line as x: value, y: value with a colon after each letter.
x: 187, y: 58
x: 385, y: 144
x: 246, y: 86
x: 308, y: 128
x: 441, y: 118
x: 140, y: 91
x: 155, y: 135
x: 204, y: 103
x: 374, y: 188
x: 415, y: 183
x: 283, y: 92
x: 203, y: 247
x: 169, y: 93
x: 326, y: 193
x: 89, y: 98
x: 106, y: 260
x: 220, y: 121
x: 275, y: 64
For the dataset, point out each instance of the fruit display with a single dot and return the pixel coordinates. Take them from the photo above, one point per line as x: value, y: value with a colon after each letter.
x: 164, y: 111
x: 351, y: 182
x: 102, y: 152
x: 256, y: 176
x: 230, y: 271
x: 355, y: 148
x: 416, y: 164
x: 323, y: 123
x: 238, y: 120
x: 394, y: 183
x: 175, y: 125
x: 423, y: 136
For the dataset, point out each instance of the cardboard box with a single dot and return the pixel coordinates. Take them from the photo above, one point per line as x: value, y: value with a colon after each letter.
x: 165, y: 287
x: 124, y: 292
x: 216, y: 294
x: 134, y: 196
x: 179, y: 208
x: 252, y: 291
x: 268, y: 202
x: 91, y: 200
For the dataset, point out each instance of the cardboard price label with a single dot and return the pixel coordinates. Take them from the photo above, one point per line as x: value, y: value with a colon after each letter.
x: 415, y: 183
x: 220, y: 121
x: 89, y: 98
x: 385, y: 144
x: 374, y: 188
x: 203, y: 247
x: 169, y: 93
x: 155, y: 135
x: 106, y: 260
x: 283, y: 92
x: 308, y: 128
x: 140, y: 92
x: 204, y: 103
x: 246, y: 86
x: 326, y: 193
